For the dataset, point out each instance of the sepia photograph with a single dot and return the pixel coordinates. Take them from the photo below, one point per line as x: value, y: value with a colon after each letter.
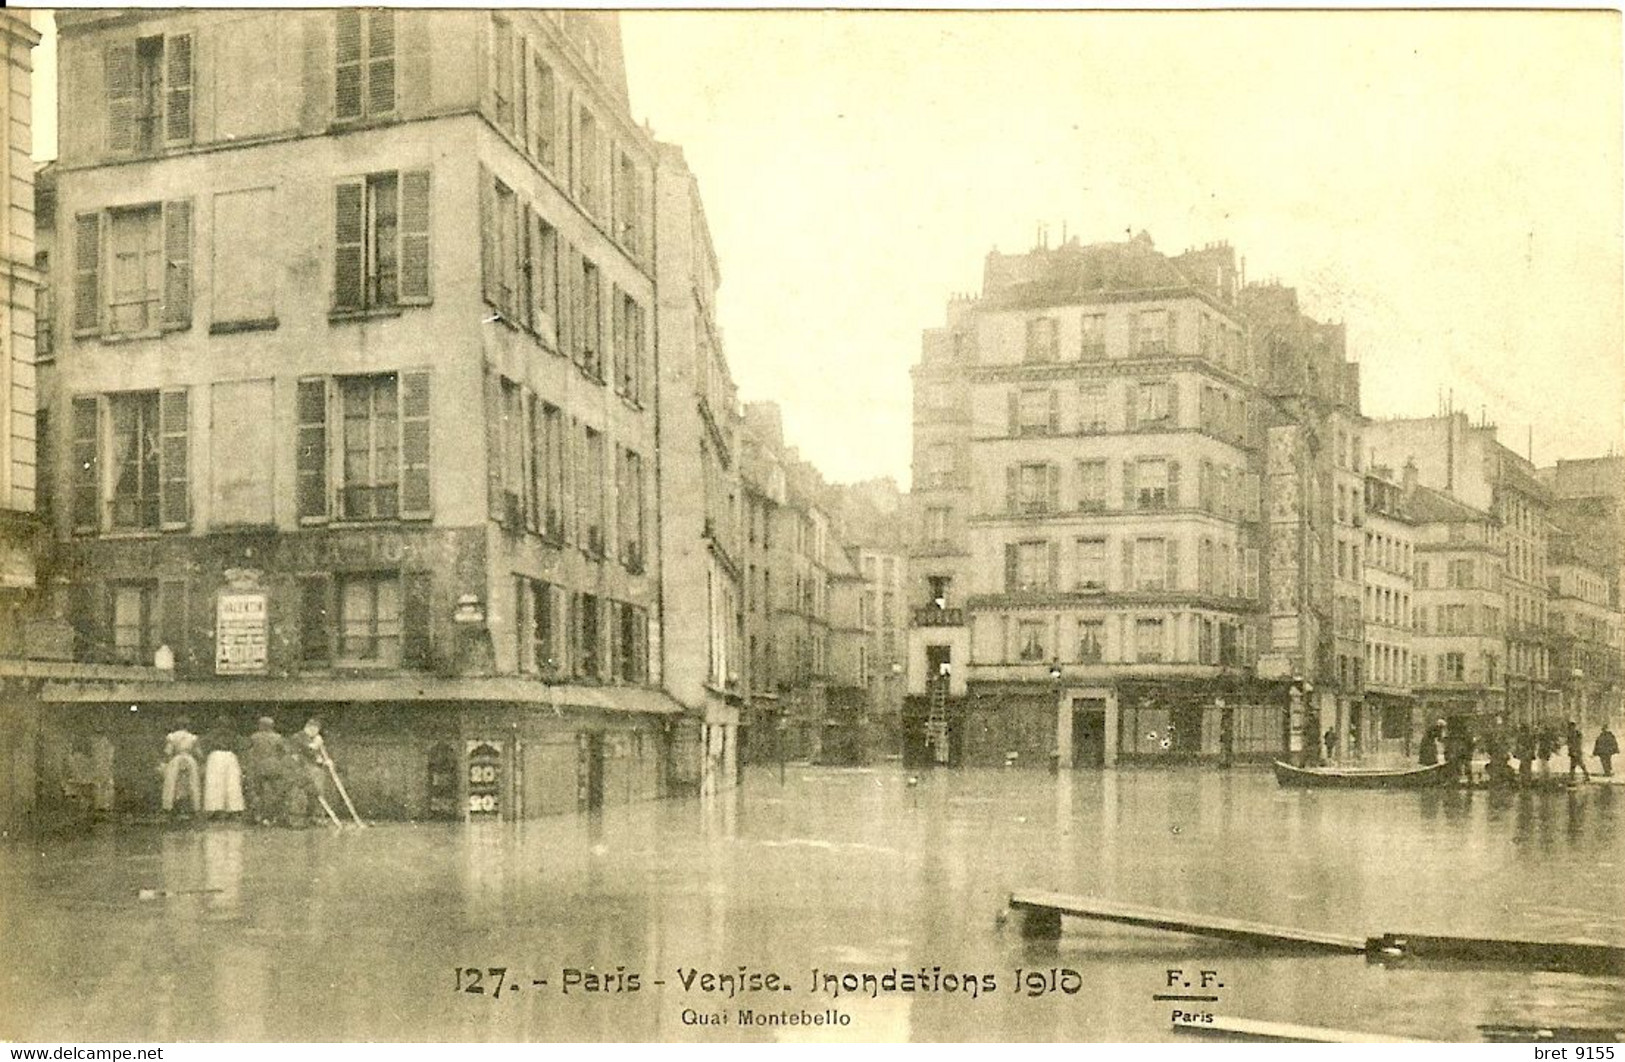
x: 842, y: 526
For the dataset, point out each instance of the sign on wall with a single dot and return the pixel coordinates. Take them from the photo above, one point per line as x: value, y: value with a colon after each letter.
x: 240, y: 633
x: 484, y: 779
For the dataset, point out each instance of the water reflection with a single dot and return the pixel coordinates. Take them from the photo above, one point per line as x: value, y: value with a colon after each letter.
x: 317, y: 934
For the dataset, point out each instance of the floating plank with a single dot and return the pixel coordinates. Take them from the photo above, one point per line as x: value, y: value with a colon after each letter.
x: 1042, y: 912
x: 1281, y: 1032
x: 1545, y: 955
x: 1565, y: 1034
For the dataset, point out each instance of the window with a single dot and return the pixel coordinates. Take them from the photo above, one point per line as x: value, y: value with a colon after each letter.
x: 1151, y: 333
x: 134, y: 460
x: 1042, y: 340
x: 136, y: 260
x: 370, y: 447
x: 1091, y: 485
x: 1030, y: 640
x: 590, y: 334
x: 148, y: 85
x: 538, y: 628
x: 936, y: 526
x: 381, y: 241
x: 145, y: 282
x: 1453, y: 667
x: 629, y: 500
x: 1033, y: 488
x: 135, y: 621
x: 1091, y: 641
x: 364, y: 64
x: 588, y: 657
x: 544, y: 119
x: 631, y: 651
x: 1460, y: 574
x: 1092, y: 408
x: 1148, y: 641
x: 370, y: 619
x: 590, y: 492
x: 1152, y: 482
x: 44, y: 308
x: 1035, y: 411
x: 589, y: 162
x: 1151, y: 403
x: 1091, y: 564
x: 315, y: 631
x: 939, y: 465
x: 1094, y: 336
x: 502, y: 72
x: 629, y: 336
x: 1151, y: 564
x: 630, y: 190
x: 1028, y: 566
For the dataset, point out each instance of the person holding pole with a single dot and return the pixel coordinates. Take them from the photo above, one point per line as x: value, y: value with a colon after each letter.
x: 310, y: 755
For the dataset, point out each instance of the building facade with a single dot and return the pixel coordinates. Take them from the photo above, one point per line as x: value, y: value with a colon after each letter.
x: 1459, y: 642
x: 1390, y: 722
x: 264, y: 416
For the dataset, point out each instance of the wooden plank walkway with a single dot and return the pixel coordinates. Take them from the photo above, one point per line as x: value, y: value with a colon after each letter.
x: 1225, y: 1028
x: 1546, y: 955
x: 1041, y: 918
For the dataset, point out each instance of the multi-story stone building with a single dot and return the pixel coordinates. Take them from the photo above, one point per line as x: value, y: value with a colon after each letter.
x: 1389, y: 718
x: 1467, y: 462
x: 1585, y: 639
x: 700, y: 501
x: 762, y: 487
x: 885, y: 626
x: 270, y: 422
x: 1458, y: 654
x: 1087, y: 494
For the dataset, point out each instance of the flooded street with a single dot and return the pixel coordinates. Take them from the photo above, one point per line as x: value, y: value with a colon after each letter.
x: 360, y: 935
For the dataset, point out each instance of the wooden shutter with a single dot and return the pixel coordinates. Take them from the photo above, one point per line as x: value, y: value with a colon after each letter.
x: 315, y: 627
x: 310, y: 462
x: 1054, y: 582
x: 1130, y: 476
x: 86, y: 464
x: 347, y: 64
x: 1012, y: 488
x: 493, y: 444
x: 416, y: 499
x: 1173, y: 403
x: 1171, y: 556
x: 1173, y: 484
x: 1052, y: 473
x: 1054, y: 412
x: 177, y: 308
x: 349, y: 235
x: 380, y: 77
x: 529, y: 263
x: 173, y: 463
x: 415, y: 213
x: 87, y: 292
x: 1128, y: 566
x: 178, y: 88
x: 490, y: 268
x: 415, y: 90
x: 417, y: 621
x: 119, y: 84
x: 1011, y: 570
x: 172, y: 617
x: 1015, y: 412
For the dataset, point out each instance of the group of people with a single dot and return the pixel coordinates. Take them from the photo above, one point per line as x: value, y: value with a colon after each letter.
x: 1527, y: 744
x: 277, y: 780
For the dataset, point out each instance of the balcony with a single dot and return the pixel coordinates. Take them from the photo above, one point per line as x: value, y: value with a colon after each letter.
x: 931, y: 616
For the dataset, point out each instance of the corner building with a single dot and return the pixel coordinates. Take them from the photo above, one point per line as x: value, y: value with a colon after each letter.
x: 1085, y: 572
x: 353, y: 403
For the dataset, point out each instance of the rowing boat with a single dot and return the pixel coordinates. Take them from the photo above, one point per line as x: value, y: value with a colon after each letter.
x: 1363, y: 777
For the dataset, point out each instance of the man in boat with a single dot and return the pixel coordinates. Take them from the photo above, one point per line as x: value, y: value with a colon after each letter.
x: 1606, y: 748
x: 1428, y: 754
x: 1458, y: 752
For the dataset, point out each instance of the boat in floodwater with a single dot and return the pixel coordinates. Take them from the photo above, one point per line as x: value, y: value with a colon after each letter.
x: 1363, y: 777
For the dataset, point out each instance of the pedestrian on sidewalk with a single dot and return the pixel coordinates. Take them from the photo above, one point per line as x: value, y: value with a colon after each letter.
x: 1606, y: 748
x: 222, y: 773
x: 267, y: 773
x: 1577, y: 751
x: 180, y: 761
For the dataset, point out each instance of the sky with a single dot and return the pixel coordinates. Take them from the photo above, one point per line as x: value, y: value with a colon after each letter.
x: 1449, y: 184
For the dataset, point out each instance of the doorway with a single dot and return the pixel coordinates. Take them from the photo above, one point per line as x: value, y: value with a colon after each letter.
x: 1185, y: 726
x: 1088, y: 732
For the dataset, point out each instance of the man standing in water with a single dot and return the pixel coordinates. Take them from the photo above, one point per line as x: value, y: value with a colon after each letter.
x: 1577, y: 750
x: 310, y: 752
x: 1606, y: 748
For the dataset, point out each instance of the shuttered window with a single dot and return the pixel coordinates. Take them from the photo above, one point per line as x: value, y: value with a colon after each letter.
x: 417, y: 612
x: 544, y: 117
x: 364, y: 64
x: 383, y: 435
x: 173, y: 460
x: 87, y: 253
x: 311, y: 459
x: 148, y: 86
x: 86, y: 464
x: 178, y: 88
x: 177, y: 297
x: 381, y: 244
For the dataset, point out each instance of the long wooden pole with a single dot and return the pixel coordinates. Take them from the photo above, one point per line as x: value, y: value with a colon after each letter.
x: 347, y: 801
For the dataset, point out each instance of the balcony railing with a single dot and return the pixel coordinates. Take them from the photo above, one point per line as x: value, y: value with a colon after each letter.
x: 931, y: 616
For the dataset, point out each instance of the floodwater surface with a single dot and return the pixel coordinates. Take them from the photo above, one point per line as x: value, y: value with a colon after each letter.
x: 296, y: 935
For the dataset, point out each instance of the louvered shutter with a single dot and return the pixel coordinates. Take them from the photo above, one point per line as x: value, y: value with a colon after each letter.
x: 416, y: 263
x: 1011, y: 572
x: 1171, y: 556
x: 1130, y: 485
x: 349, y: 234
x: 172, y: 618
x: 310, y: 464
x: 416, y: 499
x: 1054, y: 566
x: 177, y: 309
x: 493, y: 444
x: 1054, y: 412
x: 87, y: 254
x: 1128, y: 565
x: 86, y: 475
x: 1173, y: 403
x: 178, y: 88
x: 413, y: 89
x: 417, y: 614
x: 380, y: 61
x: 490, y: 268
x: 1012, y: 488
x: 119, y: 87
x: 1053, y: 474
x: 347, y: 65
x: 173, y: 459
x: 1173, y: 484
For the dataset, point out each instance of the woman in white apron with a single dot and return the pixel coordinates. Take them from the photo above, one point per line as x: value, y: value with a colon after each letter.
x: 180, y: 761
x: 222, y: 775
